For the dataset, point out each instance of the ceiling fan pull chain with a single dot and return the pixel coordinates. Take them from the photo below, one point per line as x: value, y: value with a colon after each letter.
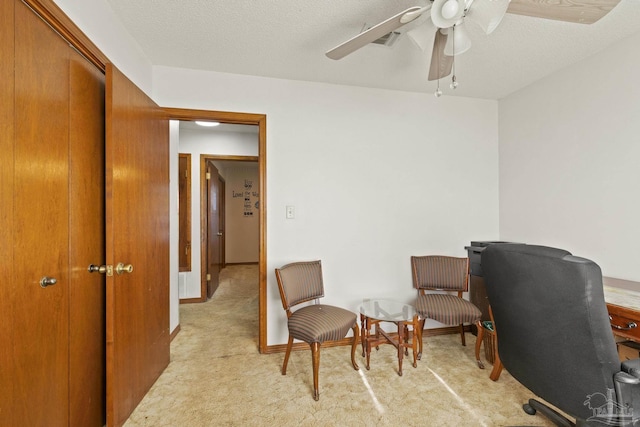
x: 454, y: 83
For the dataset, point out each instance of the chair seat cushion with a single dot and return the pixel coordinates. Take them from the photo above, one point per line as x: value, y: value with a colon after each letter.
x: 319, y: 323
x: 447, y: 309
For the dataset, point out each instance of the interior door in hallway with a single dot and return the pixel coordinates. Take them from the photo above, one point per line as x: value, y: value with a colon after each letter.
x: 137, y: 244
x: 214, y: 232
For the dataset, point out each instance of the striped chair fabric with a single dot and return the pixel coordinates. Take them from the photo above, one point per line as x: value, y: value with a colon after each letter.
x: 300, y: 282
x: 447, y: 309
x: 320, y: 323
x: 440, y: 272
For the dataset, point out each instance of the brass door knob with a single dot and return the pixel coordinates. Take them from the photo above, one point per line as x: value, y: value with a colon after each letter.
x: 124, y: 268
x: 47, y: 281
x: 102, y: 269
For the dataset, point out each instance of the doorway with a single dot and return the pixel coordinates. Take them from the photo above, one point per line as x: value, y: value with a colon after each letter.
x: 229, y: 213
x: 258, y: 120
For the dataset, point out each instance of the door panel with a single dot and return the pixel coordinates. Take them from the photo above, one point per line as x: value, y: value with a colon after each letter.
x: 213, y: 228
x: 184, y: 212
x: 40, y: 224
x: 223, y: 227
x: 6, y: 210
x: 86, y: 244
x: 137, y: 233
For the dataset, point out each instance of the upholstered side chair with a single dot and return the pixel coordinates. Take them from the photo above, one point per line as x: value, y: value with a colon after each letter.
x: 448, y: 277
x: 301, y: 282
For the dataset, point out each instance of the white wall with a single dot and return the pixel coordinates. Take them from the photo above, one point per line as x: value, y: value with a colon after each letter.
x: 198, y: 143
x: 174, y: 262
x: 570, y: 161
x: 98, y: 21
x: 376, y: 176
x: 242, y: 226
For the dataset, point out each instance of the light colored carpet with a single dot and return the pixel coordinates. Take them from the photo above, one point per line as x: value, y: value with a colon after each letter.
x: 216, y: 377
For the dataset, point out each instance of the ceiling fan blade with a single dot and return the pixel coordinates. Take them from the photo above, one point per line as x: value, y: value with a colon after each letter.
x: 375, y: 32
x: 441, y: 64
x: 578, y: 11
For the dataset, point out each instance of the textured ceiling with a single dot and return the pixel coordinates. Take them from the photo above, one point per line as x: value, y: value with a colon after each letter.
x: 288, y: 38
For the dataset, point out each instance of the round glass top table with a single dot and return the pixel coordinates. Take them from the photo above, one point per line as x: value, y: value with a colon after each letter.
x: 404, y: 316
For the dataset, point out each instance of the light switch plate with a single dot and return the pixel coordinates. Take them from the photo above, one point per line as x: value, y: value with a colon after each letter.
x: 291, y: 212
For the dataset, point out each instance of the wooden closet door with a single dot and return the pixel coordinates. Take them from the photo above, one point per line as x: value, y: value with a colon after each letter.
x: 137, y: 224
x: 6, y: 210
x: 87, y: 340
x: 52, y: 339
x: 40, y: 315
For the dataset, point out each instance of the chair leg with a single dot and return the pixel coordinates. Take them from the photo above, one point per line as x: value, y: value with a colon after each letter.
x: 421, y: 328
x: 365, y: 328
x: 478, y: 343
x: 286, y: 355
x: 315, y: 359
x: 462, y: 334
x: 497, y: 367
x: 354, y: 345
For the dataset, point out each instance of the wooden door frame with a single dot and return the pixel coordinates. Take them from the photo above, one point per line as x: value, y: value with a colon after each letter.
x: 259, y: 120
x: 63, y: 25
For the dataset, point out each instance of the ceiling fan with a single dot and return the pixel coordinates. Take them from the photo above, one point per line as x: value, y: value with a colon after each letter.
x: 447, y: 18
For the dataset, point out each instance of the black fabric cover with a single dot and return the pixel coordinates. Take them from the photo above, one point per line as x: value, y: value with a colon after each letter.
x: 552, y: 323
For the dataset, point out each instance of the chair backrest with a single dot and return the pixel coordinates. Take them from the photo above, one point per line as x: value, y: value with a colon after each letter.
x: 299, y: 282
x: 436, y: 272
x: 552, y: 323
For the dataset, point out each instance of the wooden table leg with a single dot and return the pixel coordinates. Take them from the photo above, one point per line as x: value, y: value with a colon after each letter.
x: 400, y: 346
x: 414, y: 341
x: 367, y: 342
x: 363, y: 333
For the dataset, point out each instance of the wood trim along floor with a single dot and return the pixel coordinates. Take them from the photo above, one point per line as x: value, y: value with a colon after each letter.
x: 174, y: 333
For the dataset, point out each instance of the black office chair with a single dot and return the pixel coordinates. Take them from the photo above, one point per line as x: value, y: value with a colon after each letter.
x: 555, y: 337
